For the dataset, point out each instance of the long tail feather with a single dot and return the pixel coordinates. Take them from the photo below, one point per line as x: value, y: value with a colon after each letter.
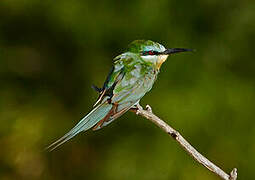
x: 97, y: 114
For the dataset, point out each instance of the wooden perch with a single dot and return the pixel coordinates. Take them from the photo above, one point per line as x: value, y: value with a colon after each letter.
x: 148, y: 114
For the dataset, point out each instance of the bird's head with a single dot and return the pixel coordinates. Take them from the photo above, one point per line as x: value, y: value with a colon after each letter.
x: 152, y: 51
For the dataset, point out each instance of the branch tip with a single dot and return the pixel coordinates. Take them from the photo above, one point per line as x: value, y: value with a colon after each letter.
x: 233, y: 174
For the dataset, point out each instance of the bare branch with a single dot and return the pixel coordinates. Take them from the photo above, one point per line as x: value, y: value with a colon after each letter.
x: 148, y: 114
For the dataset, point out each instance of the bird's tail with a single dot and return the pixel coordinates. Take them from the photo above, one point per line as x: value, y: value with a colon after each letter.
x: 90, y: 120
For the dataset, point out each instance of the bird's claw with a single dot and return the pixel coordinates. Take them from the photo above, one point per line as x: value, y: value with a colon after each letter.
x: 148, y: 108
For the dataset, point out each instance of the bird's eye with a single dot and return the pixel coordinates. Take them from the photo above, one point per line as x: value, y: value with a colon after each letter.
x: 151, y: 53
x: 145, y: 53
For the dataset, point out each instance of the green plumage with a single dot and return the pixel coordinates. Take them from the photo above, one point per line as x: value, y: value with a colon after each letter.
x: 132, y: 76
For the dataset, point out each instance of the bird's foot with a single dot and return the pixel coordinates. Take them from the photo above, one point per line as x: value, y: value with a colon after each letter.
x: 148, y: 108
x: 136, y: 108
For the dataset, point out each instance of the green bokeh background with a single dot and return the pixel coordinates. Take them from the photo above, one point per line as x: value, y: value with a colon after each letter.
x: 51, y: 52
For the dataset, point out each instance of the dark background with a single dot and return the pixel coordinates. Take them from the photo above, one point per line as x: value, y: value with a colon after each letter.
x: 51, y: 52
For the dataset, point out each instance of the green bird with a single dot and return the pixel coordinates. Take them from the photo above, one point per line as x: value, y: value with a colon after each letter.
x: 132, y: 75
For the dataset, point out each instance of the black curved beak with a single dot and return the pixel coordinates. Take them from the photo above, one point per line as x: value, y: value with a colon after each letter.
x: 176, y: 50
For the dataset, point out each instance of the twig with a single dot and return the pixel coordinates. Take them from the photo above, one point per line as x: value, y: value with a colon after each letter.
x: 148, y: 114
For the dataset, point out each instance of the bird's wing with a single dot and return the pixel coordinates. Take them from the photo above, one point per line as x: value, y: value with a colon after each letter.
x: 115, y: 75
x: 128, y: 89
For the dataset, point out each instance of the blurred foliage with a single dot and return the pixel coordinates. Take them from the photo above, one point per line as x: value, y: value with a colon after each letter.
x: 52, y: 51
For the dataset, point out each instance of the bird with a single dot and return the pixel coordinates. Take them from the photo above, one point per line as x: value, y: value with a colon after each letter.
x: 132, y: 75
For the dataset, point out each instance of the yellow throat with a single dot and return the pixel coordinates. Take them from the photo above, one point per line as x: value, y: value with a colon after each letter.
x: 161, y: 59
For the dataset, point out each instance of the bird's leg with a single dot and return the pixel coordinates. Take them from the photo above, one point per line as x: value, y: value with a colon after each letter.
x: 135, y: 108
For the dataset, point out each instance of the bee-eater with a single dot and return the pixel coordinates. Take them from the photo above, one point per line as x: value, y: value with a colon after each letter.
x: 132, y: 75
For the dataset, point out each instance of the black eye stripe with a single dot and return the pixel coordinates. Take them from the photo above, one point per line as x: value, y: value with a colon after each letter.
x: 145, y: 53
